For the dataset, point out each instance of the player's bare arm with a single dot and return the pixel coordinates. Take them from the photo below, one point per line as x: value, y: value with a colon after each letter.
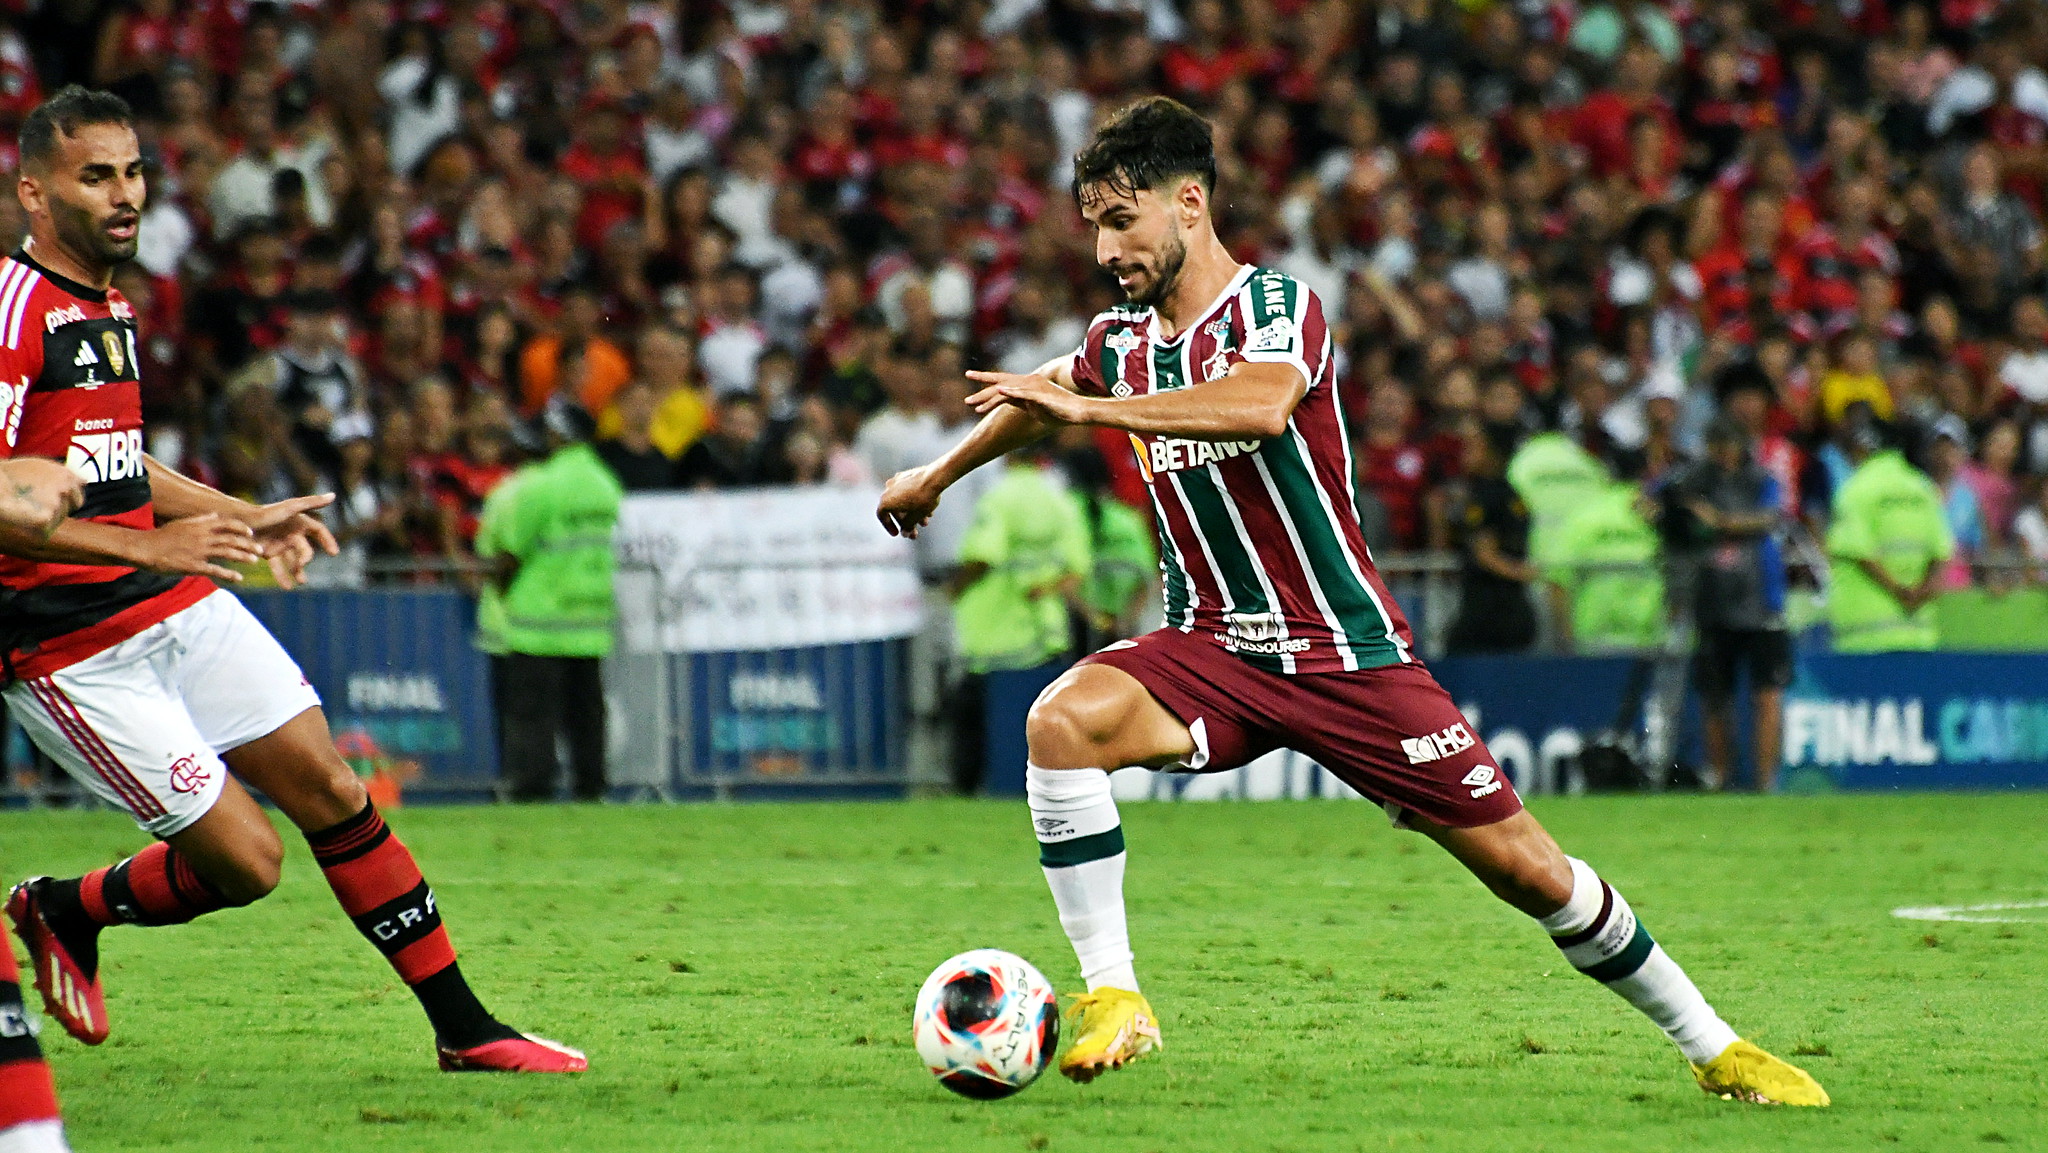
x: 910, y: 497
x: 286, y: 532
x: 1250, y: 402
x: 196, y: 546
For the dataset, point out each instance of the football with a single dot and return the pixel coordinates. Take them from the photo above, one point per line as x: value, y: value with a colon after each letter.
x: 986, y: 1024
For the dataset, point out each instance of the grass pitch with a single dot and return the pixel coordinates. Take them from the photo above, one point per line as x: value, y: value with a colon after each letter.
x: 742, y: 979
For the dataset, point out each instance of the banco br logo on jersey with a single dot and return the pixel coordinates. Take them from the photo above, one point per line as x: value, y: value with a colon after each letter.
x: 103, y: 456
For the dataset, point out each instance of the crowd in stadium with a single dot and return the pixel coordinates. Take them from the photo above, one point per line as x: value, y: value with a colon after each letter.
x: 760, y: 241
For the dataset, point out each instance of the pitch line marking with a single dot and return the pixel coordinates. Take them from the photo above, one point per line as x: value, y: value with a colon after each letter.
x: 1977, y: 914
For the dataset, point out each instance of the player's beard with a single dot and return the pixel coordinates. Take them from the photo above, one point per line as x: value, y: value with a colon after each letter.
x: 86, y: 237
x: 1152, y: 292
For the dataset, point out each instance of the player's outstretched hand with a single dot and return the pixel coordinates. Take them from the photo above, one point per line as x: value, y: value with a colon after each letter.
x: 37, y: 494
x: 908, y: 501
x: 200, y: 546
x: 288, y: 534
x: 1038, y: 395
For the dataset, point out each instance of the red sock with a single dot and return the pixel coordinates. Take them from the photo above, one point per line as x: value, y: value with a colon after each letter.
x: 380, y: 888
x: 26, y: 1091
x: 157, y: 886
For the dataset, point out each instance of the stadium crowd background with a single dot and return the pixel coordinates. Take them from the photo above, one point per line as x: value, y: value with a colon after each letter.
x: 760, y: 241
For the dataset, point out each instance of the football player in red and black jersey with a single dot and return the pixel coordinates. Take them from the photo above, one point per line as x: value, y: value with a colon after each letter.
x: 152, y: 686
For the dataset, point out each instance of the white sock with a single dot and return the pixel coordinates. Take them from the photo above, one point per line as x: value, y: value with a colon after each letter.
x: 1600, y: 937
x: 1081, y: 846
x: 34, y: 1137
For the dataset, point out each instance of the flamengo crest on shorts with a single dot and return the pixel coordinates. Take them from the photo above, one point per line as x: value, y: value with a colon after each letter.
x: 1260, y: 547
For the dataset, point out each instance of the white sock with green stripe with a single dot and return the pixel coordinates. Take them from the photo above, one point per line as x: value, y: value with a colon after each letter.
x: 1081, y: 846
x: 1601, y: 938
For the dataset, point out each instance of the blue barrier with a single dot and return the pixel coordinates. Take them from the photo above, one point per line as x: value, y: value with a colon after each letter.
x: 820, y: 714
x: 399, y: 667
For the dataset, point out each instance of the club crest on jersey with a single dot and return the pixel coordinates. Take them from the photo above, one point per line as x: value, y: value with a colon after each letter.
x: 1216, y: 366
x: 57, y: 318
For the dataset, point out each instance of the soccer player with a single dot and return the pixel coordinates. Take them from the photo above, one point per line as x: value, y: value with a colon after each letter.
x: 1279, y: 631
x: 148, y: 683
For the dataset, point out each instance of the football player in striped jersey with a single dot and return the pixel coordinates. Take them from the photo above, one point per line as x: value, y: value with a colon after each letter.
x: 1279, y: 631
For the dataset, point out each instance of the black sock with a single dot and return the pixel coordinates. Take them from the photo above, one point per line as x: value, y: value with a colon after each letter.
x: 460, y: 1020
x: 64, y: 911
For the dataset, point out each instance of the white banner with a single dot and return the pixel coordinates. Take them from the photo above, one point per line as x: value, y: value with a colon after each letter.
x: 764, y: 569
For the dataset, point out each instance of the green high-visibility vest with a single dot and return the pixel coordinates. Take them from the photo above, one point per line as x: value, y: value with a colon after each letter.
x: 1888, y: 512
x: 556, y: 519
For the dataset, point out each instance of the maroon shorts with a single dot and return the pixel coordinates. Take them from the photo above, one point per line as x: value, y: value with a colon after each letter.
x: 1392, y: 733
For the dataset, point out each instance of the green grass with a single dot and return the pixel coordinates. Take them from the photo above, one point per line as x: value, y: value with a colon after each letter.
x: 742, y: 978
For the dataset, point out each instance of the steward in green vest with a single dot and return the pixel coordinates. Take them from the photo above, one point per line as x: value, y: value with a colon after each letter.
x: 547, y: 531
x: 1609, y: 609
x: 1886, y: 545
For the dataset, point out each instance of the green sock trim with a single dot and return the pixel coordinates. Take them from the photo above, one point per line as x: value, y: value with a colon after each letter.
x: 1081, y: 850
x: 1625, y: 962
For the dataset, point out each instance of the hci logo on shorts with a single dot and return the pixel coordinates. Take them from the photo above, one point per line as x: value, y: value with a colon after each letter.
x: 1437, y: 746
x: 188, y: 775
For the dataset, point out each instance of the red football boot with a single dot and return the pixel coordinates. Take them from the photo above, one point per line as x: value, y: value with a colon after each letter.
x: 521, y: 1054
x: 72, y: 998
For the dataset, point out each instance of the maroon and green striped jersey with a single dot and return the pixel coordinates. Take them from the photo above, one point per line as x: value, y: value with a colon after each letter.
x: 1259, y: 541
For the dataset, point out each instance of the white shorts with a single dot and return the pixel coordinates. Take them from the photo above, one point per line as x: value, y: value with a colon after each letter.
x: 143, y: 724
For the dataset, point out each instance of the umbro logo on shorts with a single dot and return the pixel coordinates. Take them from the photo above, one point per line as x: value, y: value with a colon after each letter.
x: 1485, y: 778
x: 1437, y: 746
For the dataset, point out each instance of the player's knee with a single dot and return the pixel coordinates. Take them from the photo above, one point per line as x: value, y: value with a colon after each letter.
x: 1532, y: 883
x: 1070, y: 726
x: 252, y: 873
x: 337, y: 790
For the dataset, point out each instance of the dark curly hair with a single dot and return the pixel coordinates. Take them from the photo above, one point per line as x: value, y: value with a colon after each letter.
x: 1145, y: 145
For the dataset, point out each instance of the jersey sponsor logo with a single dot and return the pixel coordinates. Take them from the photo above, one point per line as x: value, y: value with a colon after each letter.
x: 120, y: 309
x: 188, y: 775
x: 1123, y: 341
x: 1278, y: 335
x: 1259, y: 633
x: 57, y: 318
x: 1485, y: 777
x: 13, y: 397
x: 104, y: 456
x: 1169, y: 454
x: 1436, y: 746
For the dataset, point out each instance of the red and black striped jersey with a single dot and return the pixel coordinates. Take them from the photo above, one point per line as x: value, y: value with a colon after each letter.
x: 1259, y: 540
x: 70, y: 390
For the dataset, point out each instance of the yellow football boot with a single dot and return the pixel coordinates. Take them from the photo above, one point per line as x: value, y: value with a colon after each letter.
x: 1114, y: 1028
x: 1746, y: 1073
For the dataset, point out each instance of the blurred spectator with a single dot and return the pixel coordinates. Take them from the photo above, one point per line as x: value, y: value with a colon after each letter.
x: 736, y: 453
x: 2030, y: 529
x: 319, y: 387
x: 1491, y: 532
x: 1600, y: 565
x: 630, y: 452
x: 1992, y: 478
x: 603, y: 366
x: 549, y: 607
x: 1947, y: 449
x: 1729, y: 513
x: 1886, y: 546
